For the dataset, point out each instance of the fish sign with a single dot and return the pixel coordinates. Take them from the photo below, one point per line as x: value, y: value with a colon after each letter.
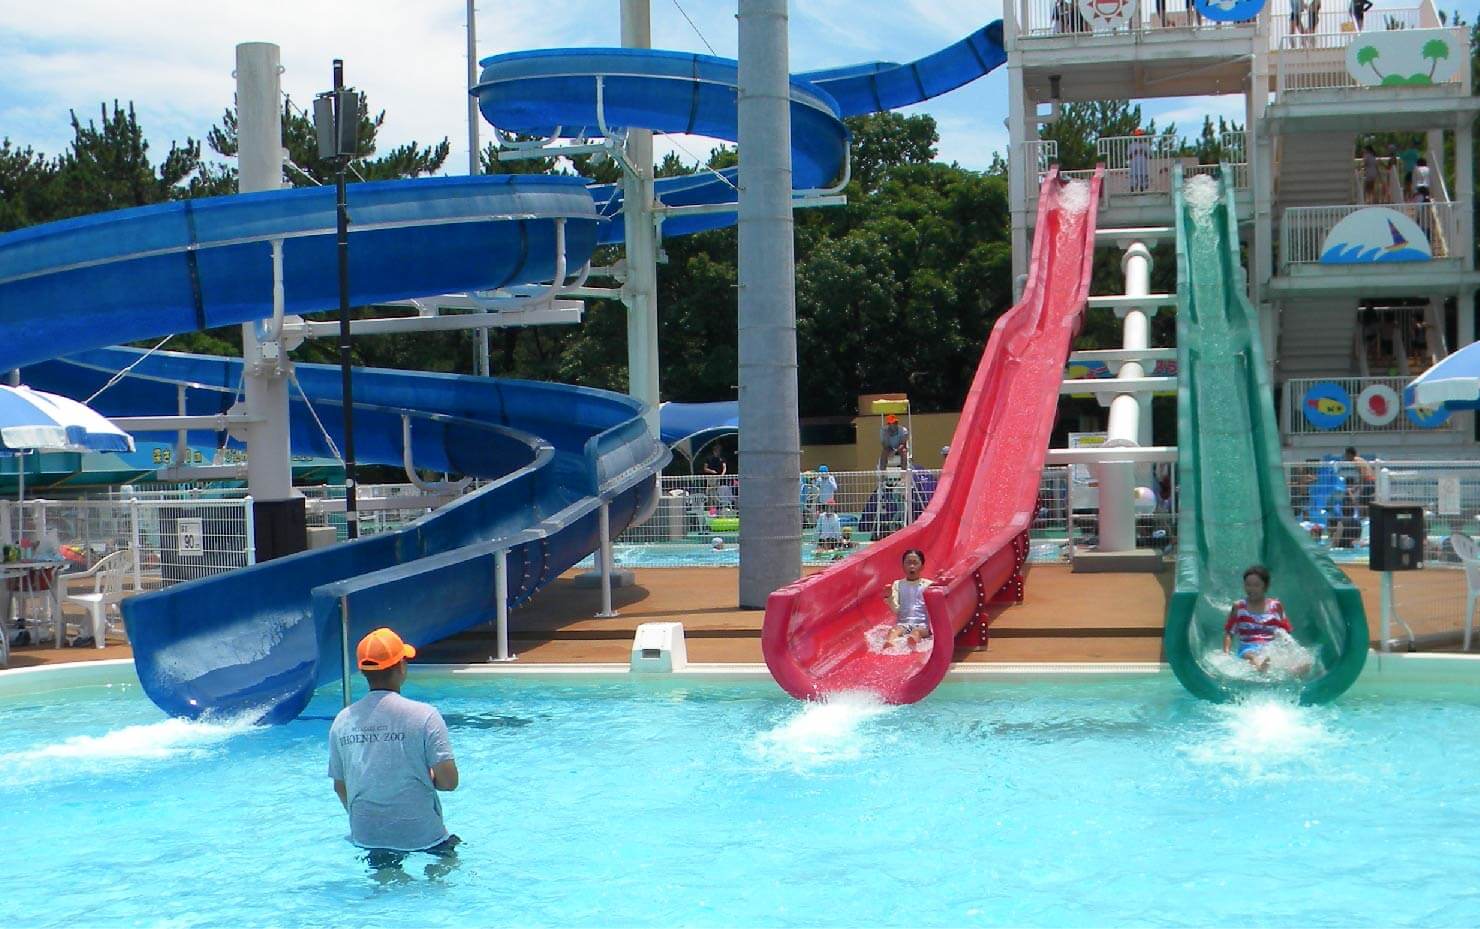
x: 1326, y: 405
x: 1379, y: 234
x: 1405, y: 57
x: 1229, y: 11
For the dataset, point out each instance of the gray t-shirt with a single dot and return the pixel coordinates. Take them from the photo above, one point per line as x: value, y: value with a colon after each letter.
x: 383, y: 747
x: 892, y: 437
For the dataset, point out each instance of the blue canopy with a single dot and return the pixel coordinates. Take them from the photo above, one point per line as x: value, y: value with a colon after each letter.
x: 688, y: 427
x: 32, y: 420
x: 1453, y: 383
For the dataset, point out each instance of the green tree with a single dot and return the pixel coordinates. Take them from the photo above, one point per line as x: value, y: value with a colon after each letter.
x: 25, y: 179
x: 107, y: 167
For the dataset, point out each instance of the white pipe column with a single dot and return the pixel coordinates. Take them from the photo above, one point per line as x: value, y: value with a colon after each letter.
x: 260, y: 167
x: 1117, y: 479
x: 640, y: 292
x: 770, y: 439
x: 1020, y: 169
x: 475, y: 162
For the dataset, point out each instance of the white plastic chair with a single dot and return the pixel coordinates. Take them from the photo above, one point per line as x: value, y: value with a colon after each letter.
x: 107, y: 575
x: 1469, y: 555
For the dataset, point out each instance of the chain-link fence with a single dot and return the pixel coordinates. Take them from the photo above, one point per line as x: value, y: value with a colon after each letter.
x: 697, y: 520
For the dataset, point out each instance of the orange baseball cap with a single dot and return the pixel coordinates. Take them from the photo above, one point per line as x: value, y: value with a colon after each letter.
x: 382, y: 650
x: 891, y: 418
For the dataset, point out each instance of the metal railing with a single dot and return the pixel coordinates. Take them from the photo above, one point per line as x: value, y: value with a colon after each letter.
x: 1043, y: 18
x: 696, y: 522
x: 1334, y: 26
x: 1303, y: 229
x: 1308, y: 63
x: 1350, y: 406
x: 1144, y: 164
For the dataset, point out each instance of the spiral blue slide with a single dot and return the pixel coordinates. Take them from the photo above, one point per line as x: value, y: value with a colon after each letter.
x: 259, y: 641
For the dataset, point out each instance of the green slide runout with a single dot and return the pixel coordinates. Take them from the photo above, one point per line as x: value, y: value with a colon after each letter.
x: 1234, y: 505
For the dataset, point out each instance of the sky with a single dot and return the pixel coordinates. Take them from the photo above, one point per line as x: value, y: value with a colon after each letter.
x: 174, y: 59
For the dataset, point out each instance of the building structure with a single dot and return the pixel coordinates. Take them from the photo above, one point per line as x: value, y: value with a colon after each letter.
x: 1344, y: 335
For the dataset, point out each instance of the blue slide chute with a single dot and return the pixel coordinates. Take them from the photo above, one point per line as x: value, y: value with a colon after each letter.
x: 194, y: 264
x: 589, y: 92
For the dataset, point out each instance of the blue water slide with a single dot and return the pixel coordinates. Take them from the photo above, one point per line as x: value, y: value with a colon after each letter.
x: 591, y: 92
x: 554, y: 455
x: 253, y: 641
x: 193, y: 264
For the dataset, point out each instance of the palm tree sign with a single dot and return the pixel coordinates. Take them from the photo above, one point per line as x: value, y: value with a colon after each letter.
x: 1435, y: 50
x: 1366, y: 55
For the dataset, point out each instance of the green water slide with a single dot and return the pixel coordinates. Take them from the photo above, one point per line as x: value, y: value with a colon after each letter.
x: 1234, y: 505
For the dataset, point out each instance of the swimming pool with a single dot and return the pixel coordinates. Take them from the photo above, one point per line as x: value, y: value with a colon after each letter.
x: 627, y: 800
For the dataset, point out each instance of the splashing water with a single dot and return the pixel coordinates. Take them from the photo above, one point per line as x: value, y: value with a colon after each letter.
x: 1201, y: 196
x: 126, y: 747
x: 822, y: 732
x: 1074, y: 197
x: 1262, y: 736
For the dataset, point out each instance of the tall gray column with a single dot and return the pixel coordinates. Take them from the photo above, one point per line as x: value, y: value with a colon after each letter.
x: 770, y: 439
x: 278, y: 510
x: 641, y: 290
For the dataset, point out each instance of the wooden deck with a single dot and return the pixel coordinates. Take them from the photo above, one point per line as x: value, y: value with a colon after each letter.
x: 1066, y: 618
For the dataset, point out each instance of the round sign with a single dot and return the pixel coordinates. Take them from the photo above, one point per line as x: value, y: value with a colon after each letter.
x: 1326, y: 405
x: 1428, y: 417
x: 1378, y: 405
x: 1106, y: 15
x: 1230, y: 11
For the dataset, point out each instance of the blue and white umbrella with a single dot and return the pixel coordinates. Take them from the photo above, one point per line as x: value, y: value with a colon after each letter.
x: 1452, y: 384
x: 36, y: 421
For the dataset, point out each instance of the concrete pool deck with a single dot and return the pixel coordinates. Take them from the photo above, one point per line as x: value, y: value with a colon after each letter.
x: 1055, y: 624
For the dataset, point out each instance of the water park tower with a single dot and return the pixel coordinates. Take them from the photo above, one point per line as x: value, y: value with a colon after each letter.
x: 1359, y: 281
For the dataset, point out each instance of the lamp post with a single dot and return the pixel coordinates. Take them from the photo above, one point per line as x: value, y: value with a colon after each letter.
x: 336, y: 118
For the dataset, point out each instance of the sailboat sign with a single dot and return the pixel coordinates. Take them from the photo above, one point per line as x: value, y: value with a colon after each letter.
x: 1405, y: 57
x: 1376, y: 234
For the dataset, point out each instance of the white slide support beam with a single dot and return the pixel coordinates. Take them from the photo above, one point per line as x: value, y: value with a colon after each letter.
x: 641, y: 290
x: 1117, y: 479
x: 267, y: 368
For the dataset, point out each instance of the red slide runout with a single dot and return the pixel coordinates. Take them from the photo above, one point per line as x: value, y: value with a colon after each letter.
x: 974, y: 532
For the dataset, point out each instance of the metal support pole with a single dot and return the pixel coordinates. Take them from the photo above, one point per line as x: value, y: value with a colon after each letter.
x: 605, y: 556
x: 351, y: 515
x: 501, y: 601
x: 249, y: 527
x: 640, y: 292
x: 1385, y: 630
x: 133, y: 541
x: 182, y: 437
x: 346, y: 664
x: 770, y: 442
x: 266, y: 366
x: 475, y: 160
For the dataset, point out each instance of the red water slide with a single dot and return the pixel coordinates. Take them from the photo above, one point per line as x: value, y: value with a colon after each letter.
x: 974, y: 533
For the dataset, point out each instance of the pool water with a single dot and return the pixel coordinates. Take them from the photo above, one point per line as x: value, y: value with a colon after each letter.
x: 628, y: 801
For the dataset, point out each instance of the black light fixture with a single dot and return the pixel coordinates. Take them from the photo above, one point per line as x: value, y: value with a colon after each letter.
x: 336, y: 119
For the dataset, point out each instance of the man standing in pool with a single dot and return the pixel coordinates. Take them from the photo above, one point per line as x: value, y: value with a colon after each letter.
x: 1255, y: 621
x: 388, y: 757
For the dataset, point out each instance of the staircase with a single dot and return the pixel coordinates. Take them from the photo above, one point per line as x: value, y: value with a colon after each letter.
x: 1318, y: 338
x: 1315, y: 169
